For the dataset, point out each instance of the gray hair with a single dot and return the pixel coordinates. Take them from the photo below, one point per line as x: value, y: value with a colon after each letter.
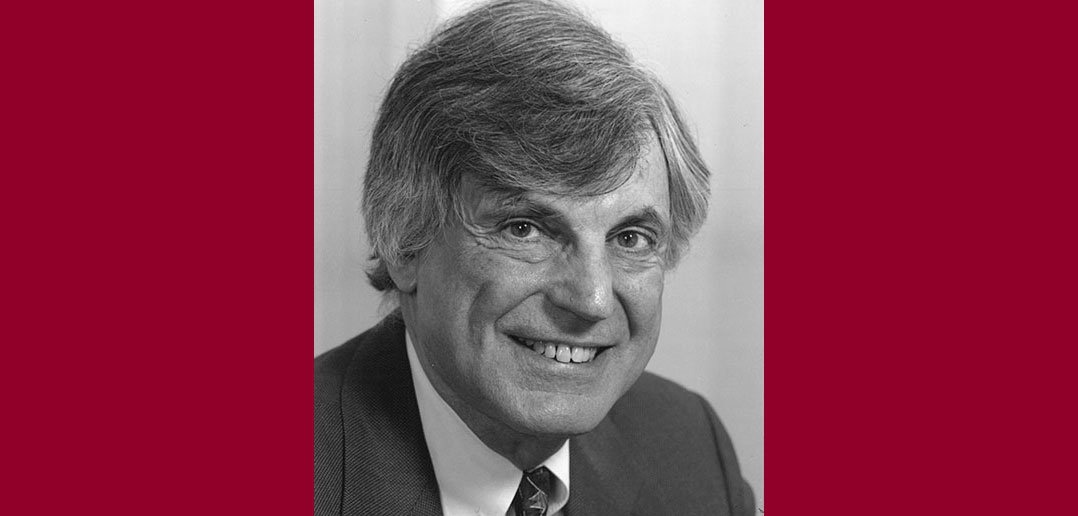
x: 522, y: 95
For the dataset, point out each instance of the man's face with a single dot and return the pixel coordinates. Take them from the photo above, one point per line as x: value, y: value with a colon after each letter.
x: 579, y: 278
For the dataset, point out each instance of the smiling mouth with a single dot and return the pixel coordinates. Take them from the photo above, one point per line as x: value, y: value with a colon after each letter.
x: 563, y: 353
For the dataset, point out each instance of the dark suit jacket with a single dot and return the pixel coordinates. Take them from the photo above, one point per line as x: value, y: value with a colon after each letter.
x: 660, y: 450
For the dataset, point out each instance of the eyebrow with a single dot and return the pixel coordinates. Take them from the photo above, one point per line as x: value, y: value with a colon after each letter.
x: 518, y: 205
x: 646, y: 217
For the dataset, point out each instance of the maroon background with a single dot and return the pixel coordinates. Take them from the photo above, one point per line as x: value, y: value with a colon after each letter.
x: 157, y: 212
x: 158, y: 223
x: 920, y: 272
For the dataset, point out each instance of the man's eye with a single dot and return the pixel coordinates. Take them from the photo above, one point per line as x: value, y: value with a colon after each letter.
x: 521, y: 229
x: 633, y: 240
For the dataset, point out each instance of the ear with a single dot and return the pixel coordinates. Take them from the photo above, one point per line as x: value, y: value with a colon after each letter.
x: 404, y: 274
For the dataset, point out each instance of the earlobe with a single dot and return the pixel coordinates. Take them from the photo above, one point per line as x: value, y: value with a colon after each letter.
x: 404, y: 275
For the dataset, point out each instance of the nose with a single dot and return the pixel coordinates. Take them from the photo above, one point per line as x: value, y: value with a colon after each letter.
x: 585, y: 285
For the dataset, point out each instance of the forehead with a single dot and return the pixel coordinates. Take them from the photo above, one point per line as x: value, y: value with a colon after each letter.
x: 646, y: 188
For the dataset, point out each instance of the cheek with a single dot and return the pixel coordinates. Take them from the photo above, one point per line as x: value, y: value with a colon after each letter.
x: 473, y: 287
x: 642, y: 298
x: 502, y: 282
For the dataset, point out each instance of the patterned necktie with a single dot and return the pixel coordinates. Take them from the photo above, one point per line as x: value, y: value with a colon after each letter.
x: 531, y: 498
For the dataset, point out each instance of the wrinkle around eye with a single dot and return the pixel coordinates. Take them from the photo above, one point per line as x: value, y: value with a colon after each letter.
x: 494, y: 239
x: 639, y: 263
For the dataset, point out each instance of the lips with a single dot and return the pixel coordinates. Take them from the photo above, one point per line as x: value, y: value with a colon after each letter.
x: 564, y: 353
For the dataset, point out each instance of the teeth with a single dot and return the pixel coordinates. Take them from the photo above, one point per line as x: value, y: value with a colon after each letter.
x: 551, y: 351
x: 579, y: 353
x: 565, y: 355
x: 561, y: 352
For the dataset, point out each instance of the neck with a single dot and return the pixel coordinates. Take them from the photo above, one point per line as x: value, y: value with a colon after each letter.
x: 526, y: 452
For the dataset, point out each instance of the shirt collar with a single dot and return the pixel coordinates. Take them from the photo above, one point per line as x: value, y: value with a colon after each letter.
x: 473, y: 479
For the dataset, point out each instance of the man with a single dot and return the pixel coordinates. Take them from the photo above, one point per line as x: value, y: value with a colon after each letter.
x: 528, y: 187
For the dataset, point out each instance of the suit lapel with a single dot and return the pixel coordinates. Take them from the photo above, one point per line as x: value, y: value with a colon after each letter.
x: 387, y: 468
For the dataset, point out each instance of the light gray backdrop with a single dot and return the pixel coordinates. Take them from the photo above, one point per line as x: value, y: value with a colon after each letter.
x: 709, y: 53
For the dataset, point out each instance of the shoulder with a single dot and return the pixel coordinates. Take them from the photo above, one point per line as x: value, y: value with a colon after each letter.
x: 340, y: 375
x: 367, y: 358
x: 363, y: 356
x: 329, y: 372
x: 678, y: 436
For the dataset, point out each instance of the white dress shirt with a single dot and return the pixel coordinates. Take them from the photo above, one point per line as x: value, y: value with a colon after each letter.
x: 474, y: 480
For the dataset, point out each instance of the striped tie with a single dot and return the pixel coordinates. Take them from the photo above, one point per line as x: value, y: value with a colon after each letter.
x: 531, y: 498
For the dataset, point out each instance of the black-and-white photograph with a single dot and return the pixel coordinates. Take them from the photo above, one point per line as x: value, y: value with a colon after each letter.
x: 539, y: 257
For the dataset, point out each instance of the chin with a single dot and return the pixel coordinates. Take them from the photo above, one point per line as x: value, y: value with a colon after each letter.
x: 564, y: 416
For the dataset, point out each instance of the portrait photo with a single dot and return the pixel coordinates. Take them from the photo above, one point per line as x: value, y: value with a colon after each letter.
x: 539, y: 257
